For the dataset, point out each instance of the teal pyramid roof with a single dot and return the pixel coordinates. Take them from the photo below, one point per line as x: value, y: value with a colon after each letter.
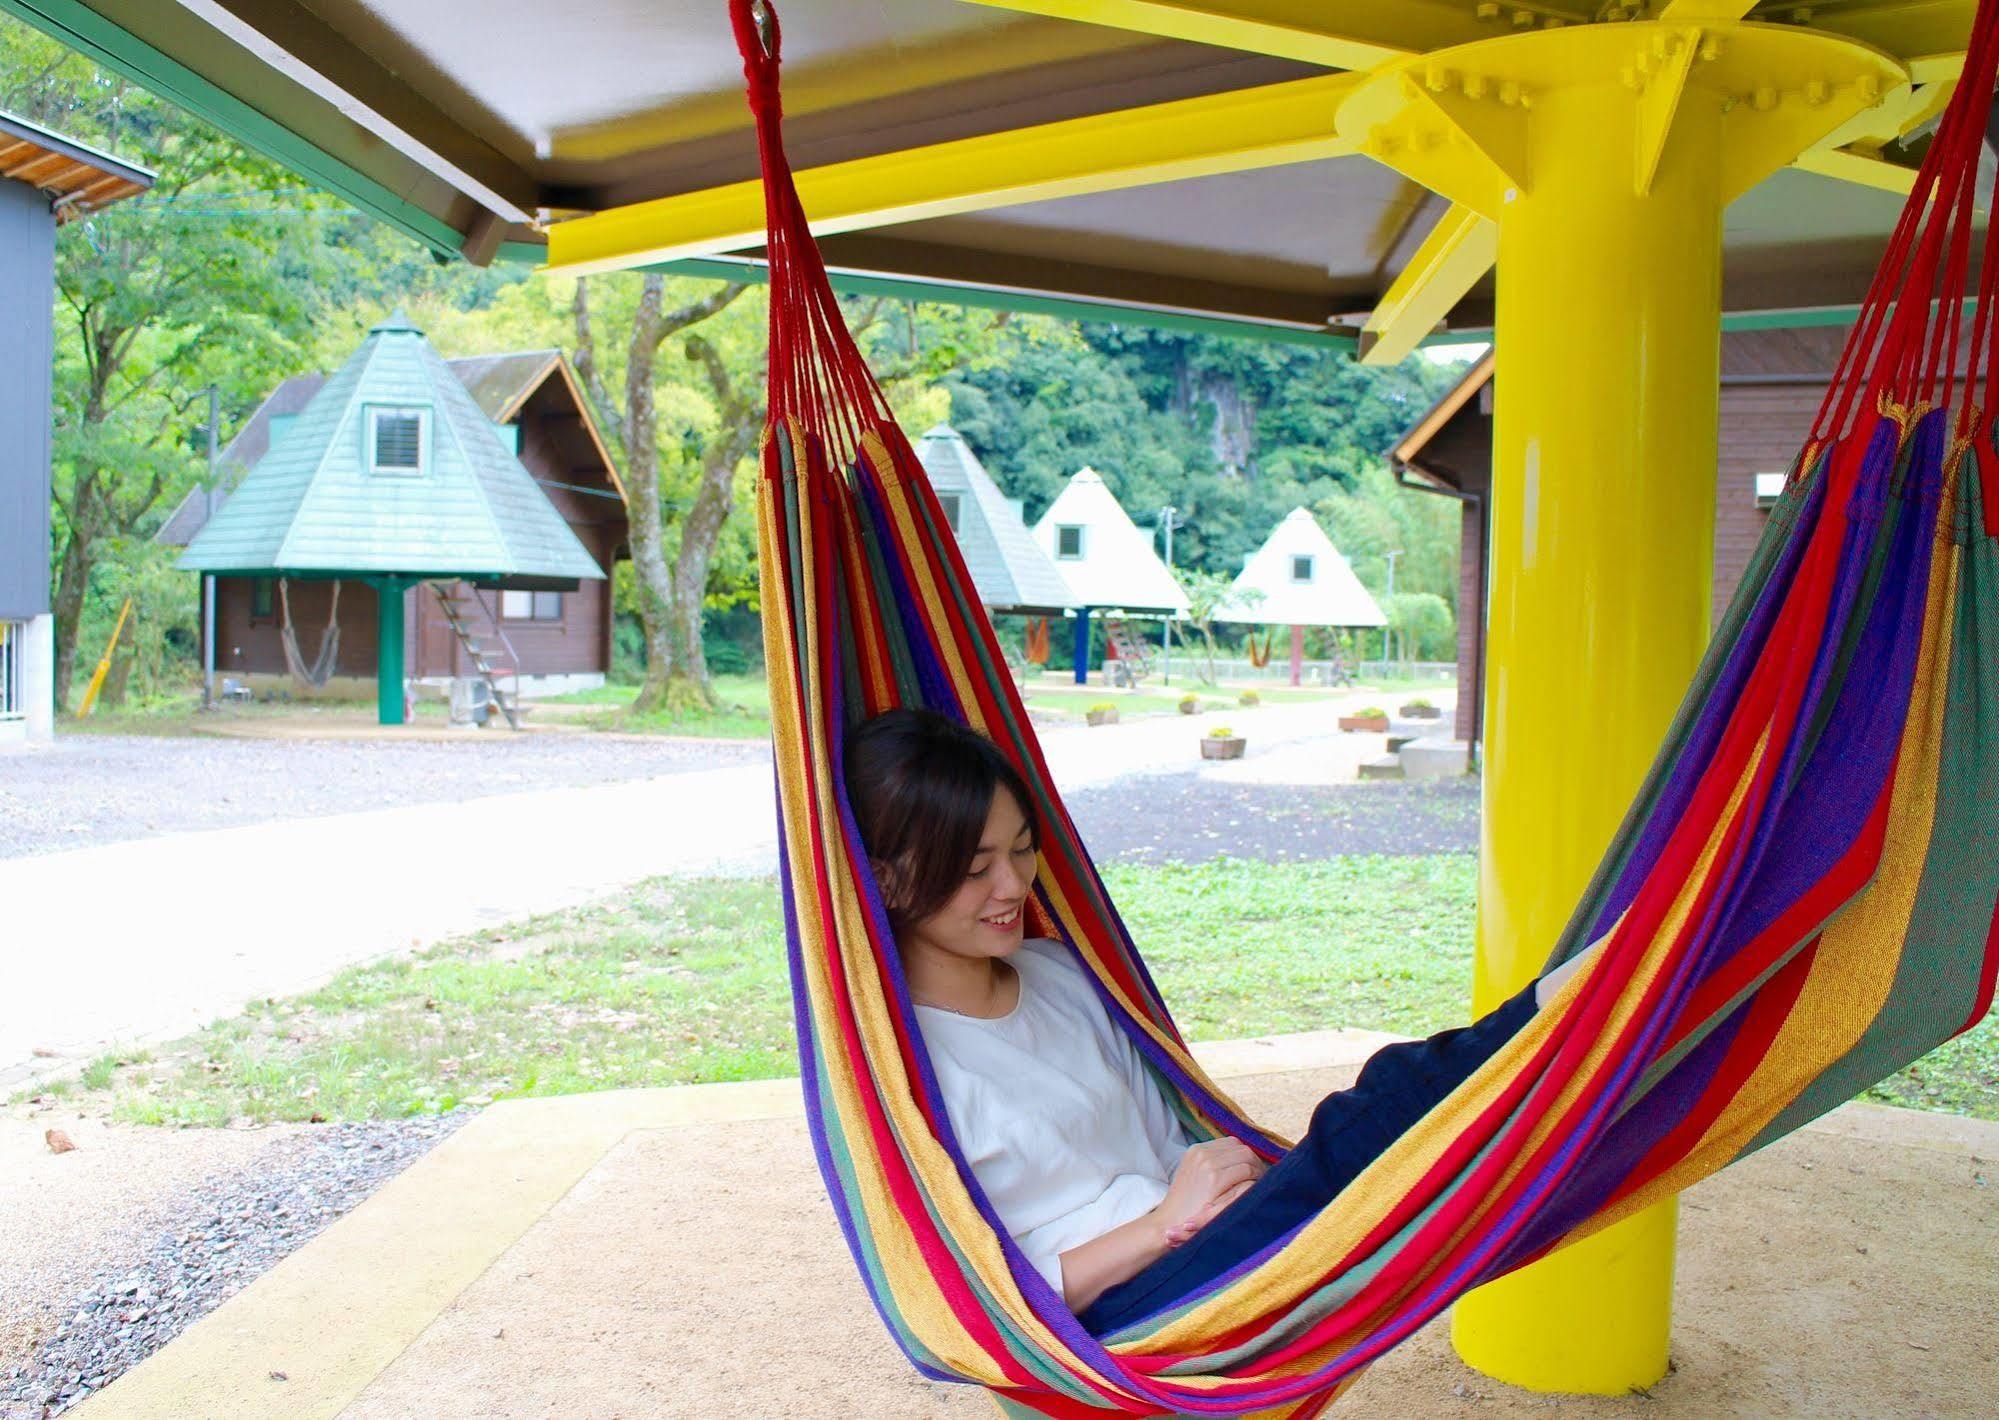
x: 314, y: 503
x: 1009, y: 570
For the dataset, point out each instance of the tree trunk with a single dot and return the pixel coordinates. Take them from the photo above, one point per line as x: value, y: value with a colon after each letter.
x: 649, y: 569
x: 72, y: 579
x: 670, y: 595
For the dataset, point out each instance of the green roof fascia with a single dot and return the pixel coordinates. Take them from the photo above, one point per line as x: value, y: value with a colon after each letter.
x: 353, y: 574
x: 1021, y: 302
x: 116, y: 48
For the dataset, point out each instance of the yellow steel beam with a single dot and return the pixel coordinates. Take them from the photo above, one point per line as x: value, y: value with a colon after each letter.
x: 1340, y: 34
x: 1700, y: 11
x: 1904, y: 28
x: 1220, y: 133
x: 1855, y: 166
x: 1459, y: 250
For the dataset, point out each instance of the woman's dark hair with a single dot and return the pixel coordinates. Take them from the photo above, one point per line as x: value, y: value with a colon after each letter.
x: 921, y: 786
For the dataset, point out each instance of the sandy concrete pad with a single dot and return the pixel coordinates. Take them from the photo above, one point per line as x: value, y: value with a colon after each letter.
x: 670, y: 1256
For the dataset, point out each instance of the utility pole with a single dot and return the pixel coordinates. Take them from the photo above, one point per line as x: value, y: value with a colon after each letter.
x: 1169, y: 519
x: 1386, y: 633
x: 208, y: 579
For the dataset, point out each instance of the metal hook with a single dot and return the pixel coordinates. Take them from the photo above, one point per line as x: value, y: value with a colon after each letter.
x: 761, y: 13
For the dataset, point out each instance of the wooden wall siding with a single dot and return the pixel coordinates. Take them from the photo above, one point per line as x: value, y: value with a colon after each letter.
x: 253, y: 645
x: 1471, y: 629
x: 1762, y: 427
x: 27, y: 302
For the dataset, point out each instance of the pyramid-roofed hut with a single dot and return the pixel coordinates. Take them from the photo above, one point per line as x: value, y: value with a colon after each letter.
x: 1105, y: 558
x: 1009, y: 568
x: 391, y: 467
x: 392, y: 474
x: 1299, y: 579
x: 1304, y: 581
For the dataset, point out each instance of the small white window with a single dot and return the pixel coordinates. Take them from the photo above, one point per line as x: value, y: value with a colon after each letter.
x: 397, y: 439
x: 1301, y: 568
x: 950, y: 503
x: 530, y: 606
x: 1068, y: 541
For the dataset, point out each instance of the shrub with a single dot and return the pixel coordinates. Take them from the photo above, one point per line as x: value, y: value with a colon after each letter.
x: 1249, y: 697
x: 1421, y: 703
x: 1220, y: 732
x: 1103, y: 707
x: 1372, y: 712
x: 1188, y: 702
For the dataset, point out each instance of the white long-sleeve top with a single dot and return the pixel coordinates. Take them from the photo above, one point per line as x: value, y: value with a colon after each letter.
x: 1062, y: 1125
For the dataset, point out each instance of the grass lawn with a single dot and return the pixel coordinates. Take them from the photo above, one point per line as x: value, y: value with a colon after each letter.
x: 1074, y: 702
x: 745, y: 712
x: 1047, y: 695
x: 684, y: 981
x: 173, y: 716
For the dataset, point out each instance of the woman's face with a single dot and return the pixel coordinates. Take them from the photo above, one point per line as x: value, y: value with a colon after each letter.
x: 984, y: 917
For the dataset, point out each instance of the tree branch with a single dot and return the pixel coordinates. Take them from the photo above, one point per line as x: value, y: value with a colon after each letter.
x: 588, y: 371
x: 698, y: 311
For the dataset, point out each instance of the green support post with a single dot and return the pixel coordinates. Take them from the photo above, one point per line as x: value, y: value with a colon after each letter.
x: 389, y: 641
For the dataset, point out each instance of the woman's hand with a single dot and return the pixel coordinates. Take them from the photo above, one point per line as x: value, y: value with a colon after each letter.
x: 1211, y: 1176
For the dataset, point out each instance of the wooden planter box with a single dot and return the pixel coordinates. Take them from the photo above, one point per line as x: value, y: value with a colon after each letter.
x: 1188, y: 707
x: 1368, y: 724
x: 1101, y: 717
x: 1422, y: 712
x: 1231, y: 748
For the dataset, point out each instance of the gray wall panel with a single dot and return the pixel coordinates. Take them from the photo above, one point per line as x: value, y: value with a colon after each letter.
x: 27, y: 298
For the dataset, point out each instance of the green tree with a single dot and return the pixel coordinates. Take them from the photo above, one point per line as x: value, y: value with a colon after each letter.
x: 198, y: 281
x: 670, y: 575
x: 1423, y: 626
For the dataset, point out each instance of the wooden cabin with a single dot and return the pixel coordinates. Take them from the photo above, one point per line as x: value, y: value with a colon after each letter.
x: 560, y: 638
x: 1771, y: 385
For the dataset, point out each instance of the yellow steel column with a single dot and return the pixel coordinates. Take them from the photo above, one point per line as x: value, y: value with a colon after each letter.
x: 1607, y: 341
x: 1604, y: 155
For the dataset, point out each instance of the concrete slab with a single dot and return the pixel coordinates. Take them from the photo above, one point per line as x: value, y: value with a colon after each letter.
x: 1434, y: 757
x: 671, y: 1253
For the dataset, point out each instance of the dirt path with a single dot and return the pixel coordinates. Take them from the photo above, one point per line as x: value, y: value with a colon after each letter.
x: 81, y: 790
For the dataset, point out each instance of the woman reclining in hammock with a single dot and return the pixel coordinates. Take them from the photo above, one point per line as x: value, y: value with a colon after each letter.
x: 1051, y: 1102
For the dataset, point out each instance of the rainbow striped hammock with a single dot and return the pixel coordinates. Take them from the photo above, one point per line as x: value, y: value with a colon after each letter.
x: 1800, y: 902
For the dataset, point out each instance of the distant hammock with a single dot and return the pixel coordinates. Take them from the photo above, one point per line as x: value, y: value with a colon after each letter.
x: 315, y: 675
x: 1035, y: 651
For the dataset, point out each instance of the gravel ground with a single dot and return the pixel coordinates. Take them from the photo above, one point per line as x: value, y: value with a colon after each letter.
x: 1187, y: 818
x: 88, y: 789
x: 207, y: 1242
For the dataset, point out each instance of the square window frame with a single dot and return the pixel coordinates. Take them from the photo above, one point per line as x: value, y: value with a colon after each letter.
x: 1078, y: 554
x: 370, y: 414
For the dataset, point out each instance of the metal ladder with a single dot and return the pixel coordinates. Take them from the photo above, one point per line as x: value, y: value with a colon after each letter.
x: 458, y: 600
x: 1131, y: 650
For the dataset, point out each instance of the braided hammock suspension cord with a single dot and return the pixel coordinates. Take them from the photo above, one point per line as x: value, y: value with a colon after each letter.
x: 1259, y: 654
x: 319, y: 671
x: 1793, y: 909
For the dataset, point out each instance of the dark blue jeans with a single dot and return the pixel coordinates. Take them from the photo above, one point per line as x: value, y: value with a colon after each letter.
x: 1398, y: 1086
